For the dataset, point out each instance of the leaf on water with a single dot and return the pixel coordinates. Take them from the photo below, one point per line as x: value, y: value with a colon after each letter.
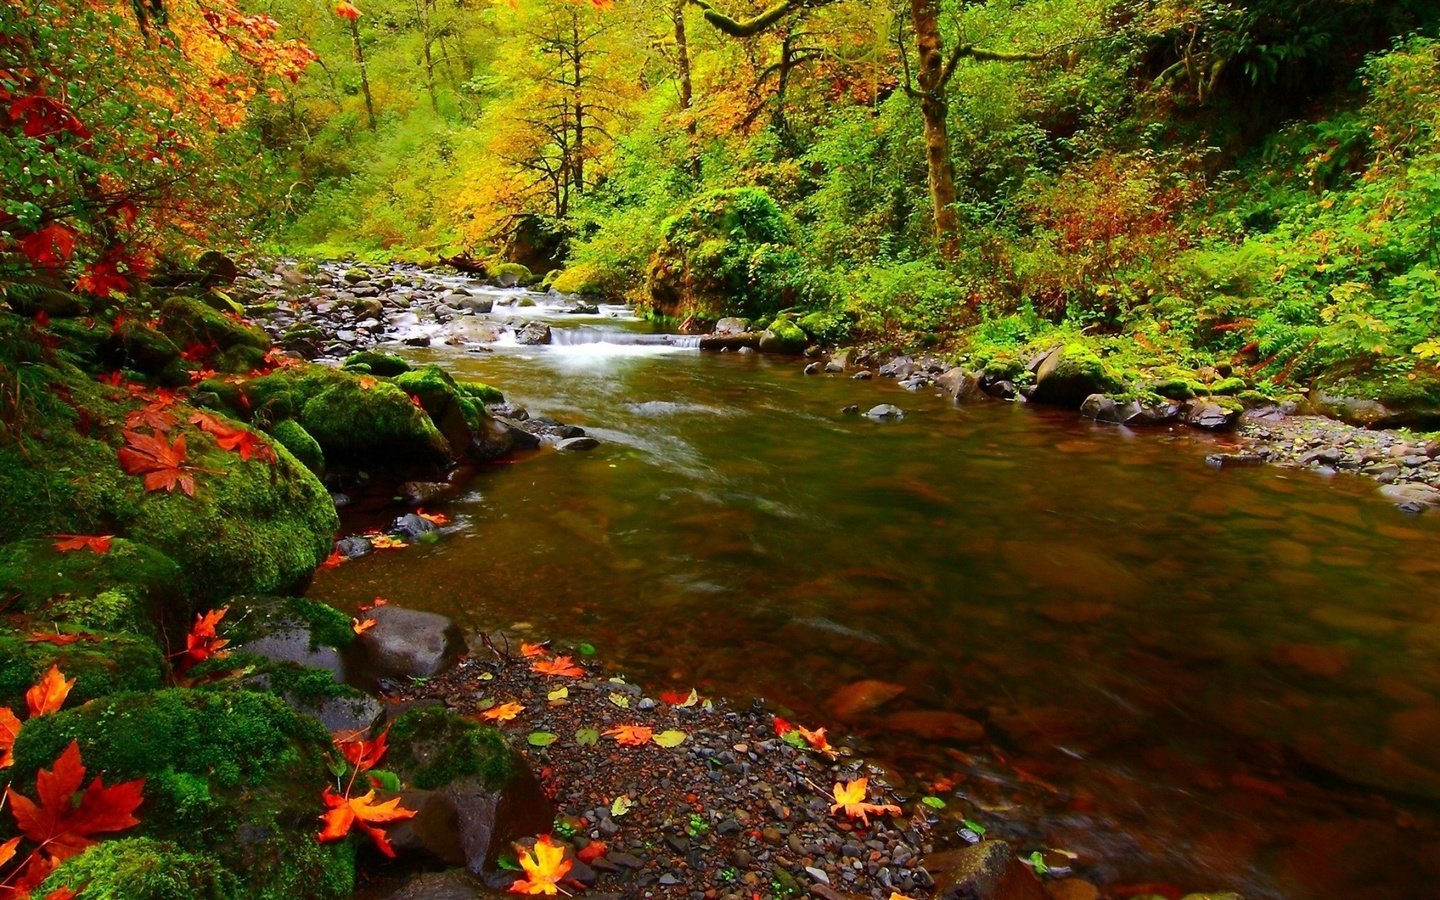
x: 671, y: 738
x: 974, y: 826
x: 558, y: 694
x: 621, y: 806
x: 541, y: 739
x: 620, y: 700
x: 933, y: 802
x: 586, y: 649
x: 587, y: 737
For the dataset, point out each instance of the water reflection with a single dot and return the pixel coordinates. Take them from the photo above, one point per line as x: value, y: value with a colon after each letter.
x: 1216, y: 679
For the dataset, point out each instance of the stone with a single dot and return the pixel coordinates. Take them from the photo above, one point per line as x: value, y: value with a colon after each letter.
x: 454, y: 884
x: 533, y: 333
x: 1213, y: 415
x: 1411, y: 497
x: 1067, y: 375
x: 783, y: 336
x: 899, y: 367
x: 814, y: 368
x: 409, y: 643
x: 885, y: 413
x: 986, y: 871
x: 412, y: 527
x: 422, y: 492
x: 731, y: 325
x: 574, y: 444
x: 861, y: 697
x: 1234, y: 460
x: 960, y: 385
x: 467, y: 823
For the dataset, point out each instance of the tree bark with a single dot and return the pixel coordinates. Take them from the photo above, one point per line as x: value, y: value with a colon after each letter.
x: 932, y: 78
x: 364, y: 76
x: 687, y: 88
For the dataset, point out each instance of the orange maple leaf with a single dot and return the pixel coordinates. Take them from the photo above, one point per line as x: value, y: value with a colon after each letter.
x: 333, y: 560
x: 9, y: 729
x: 362, y: 753
x: 593, y: 851
x: 95, y: 543
x: 203, y: 641
x: 631, y: 735
x: 162, y: 463
x: 367, y: 382
x: 236, y: 440
x: 385, y: 541
x: 360, y: 627
x: 503, y: 713
x: 151, y: 416
x: 347, y: 812
x: 817, y: 740
x: 530, y: 651
x: 60, y: 825
x: 851, y: 798
x: 544, y: 864
x: 433, y: 518
x: 563, y: 666
x: 49, y: 693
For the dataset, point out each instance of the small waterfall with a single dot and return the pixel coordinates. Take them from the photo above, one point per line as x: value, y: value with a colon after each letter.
x: 574, y: 337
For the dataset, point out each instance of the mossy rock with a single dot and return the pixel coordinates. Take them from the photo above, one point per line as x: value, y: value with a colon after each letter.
x: 385, y: 365
x: 1177, y: 388
x: 101, y: 664
x: 459, y: 417
x: 479, y: 390
x: 235, y: 775
x: 253, y: 617
x: 291, y: 435
x: 139, y: 347
x: 783, y: 336
x: 239, y: 346
x: 312, y: 692
x: 129, y: 588
x: 1363, y: 395
x: 1068, y: 374
x: 590, y: 280
x: 1227, y: 387
x: 143, y: 869
x: 509, y: 274
x: 431, y: 747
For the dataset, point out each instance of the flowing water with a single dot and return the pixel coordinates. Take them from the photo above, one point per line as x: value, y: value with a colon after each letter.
x: 1217, y: 680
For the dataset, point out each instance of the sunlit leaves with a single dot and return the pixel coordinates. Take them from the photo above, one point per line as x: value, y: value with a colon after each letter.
x: 63, y: 825
x: 364, y: 812
x: 346, y: 10
x: 49, y: 693
x: 161, y: 462
x: 850, y: 798
x: 544, y: 866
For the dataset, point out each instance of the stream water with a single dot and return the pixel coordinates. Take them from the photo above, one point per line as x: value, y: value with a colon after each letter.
x: 1217, y: 680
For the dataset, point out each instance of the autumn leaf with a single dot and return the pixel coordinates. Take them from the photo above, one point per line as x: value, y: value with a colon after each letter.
x: 683, y: 701
x: 9, y: 729
x: 367, y: 382
x: 592, y: 851
x: 503, y: 713
x: 670, y: 738
x: 562, y: 666
x: 203, y: 642
x: 7, y: 850
x: 384, y: 541
x: 95, y: 543
x: 363, y: 812
x: 49, y: 693
x: 631, y: 735
x: 360, y: 627
x: 544, y: 864
x: 529, y: 650
x: 817, y: 740
x: 162, y: 463
x: 333, y: 560
x: 49, y: 246
x: 60, y: 824
x: 851, y: 798
x: 237, y: 440
x: 346, y: 10
x: 361, y: 753
x: 436, y: 519
x: 151, y: 416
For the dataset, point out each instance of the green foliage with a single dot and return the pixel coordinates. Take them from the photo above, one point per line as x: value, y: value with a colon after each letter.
x: 144, y: 869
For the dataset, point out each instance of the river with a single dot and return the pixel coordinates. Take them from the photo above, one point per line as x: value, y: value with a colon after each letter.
x: 1211, y: 679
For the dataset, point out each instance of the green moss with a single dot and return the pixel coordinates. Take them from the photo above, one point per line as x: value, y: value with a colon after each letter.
x: 1177, y: 388
x: 783, y: 336
x: 386, y: 365
x: 137, y: 346
x: 143, y: 869
x: 431, y: 747
x: 590, y: 279
x: 239, y: 346
x: 253, y: 617
x: 506, y: 270
x: 456, y: 412
x: 1227, y: 386
x: 293, y: 437
x: 128, y: 589
x: 478, y: 390
x: 108, y: 664
x: 232, y: 774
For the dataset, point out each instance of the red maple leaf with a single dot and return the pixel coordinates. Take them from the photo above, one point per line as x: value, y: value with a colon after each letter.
x: 153, y: 416
x: 95, y: 543
x: 203, y: 641
x: 42, y: 116
x: 361, y: 753
x: 162, y: 463
x: 62, y: 826
x: 236, y: 440
x: 347, y: 812
x: 102, y: 278
x: 49, y: 246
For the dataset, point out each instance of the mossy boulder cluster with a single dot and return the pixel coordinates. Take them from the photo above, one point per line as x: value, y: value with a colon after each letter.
x: 236, y: 751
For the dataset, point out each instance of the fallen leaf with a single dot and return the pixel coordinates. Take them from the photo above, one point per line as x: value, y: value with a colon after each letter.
x: 162, y: 463
x: 620, y: 700
x: 541, y: 739
x: 7, y: 850
x: 203, y: 642
x: 544, y: 864
x: 503, y: 713
x: 360, y: 627
x: 235, y: 439
x: 95, y: 543
x: 530, y: 651
x: 63, y: 825
x: 592, y: 851
x: 367, y: 382
x: 562, y: 666
x: 362, y: 753
x: 59, y: 640
x: 558, y: 694
x: 49, y: 693
x: 670, y: 738
x: 621, y: 805
x: 9, y: 728
x: 151, y: 416
x: 347, y: 812
x: 684, y: 701
x: 433, y: 518
x: 587, y: 737
x: 333, y: 560
x: 850, y: 797
x: 385, y: 541
x: 630, y: 735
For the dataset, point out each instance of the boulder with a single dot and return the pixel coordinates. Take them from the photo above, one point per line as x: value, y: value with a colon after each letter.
x: 584, y: 442
x: 960, y: 385
x: 471, y: 823
x: 989, y: 870
x: 409, y: 643
x: 1412, y: 497
x: 1214, y: 414
x: 783, y: 336
x: 731, y: 325
x: 533, y: 333
x: 885, y: 413
x: 1068, y: 374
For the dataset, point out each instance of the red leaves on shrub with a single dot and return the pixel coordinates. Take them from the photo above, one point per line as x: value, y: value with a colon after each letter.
x: 40, y: 117
x: 49, y: 246
x: 162, y: 463
x: 347, y: 10
x: 62, y: 826
x: 95, y: 543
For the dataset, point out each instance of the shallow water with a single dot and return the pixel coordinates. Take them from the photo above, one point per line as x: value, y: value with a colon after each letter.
x: 1217, y: 680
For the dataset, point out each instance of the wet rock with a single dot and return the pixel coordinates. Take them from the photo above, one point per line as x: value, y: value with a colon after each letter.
x: 860, y: 697
x: 1068, y: 374
x: 533, y: 333
x: 961, y: 385
x: 936, y: 725
x: 1072, y: 889
x: 352, y: 547
x: 1213, y: 414
x: 863, y: 375
x: 885, y: 413
x: 783, y: 336
x: 814, y: 368
x: 577, y: 444
x: 1411, y: 497
x: 851, y: 410
x: 985, y: 871
x: 732, y: 325
x: 466, y: 823
x: 422, y: 492
x: 409, y: 643
x: 454, y: 884
x: 412, y: 527
x: 1234, y: 460
x: 900, y: 367
x: 745, y: 341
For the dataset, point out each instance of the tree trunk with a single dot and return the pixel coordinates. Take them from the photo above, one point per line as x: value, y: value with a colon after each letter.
x: 364, y: 77
x: 426, y: 40
x: 577, y: 60
x: 934, y: 109
x: 687, y: 88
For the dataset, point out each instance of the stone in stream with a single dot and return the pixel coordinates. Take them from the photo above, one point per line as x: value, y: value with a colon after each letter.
x: 885, y: 412
x: 577, y: 443
x: 533, y: 333
x: 960, y: 385
x: 860, y: 697
x: 731, y: 325
x: 814, y: 368
x: 1214, y: 414
x: 936, y: 725
x: 412, y: 527
x: 985, y: 871
x: 409, y: 643
x: 1411, y: 497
